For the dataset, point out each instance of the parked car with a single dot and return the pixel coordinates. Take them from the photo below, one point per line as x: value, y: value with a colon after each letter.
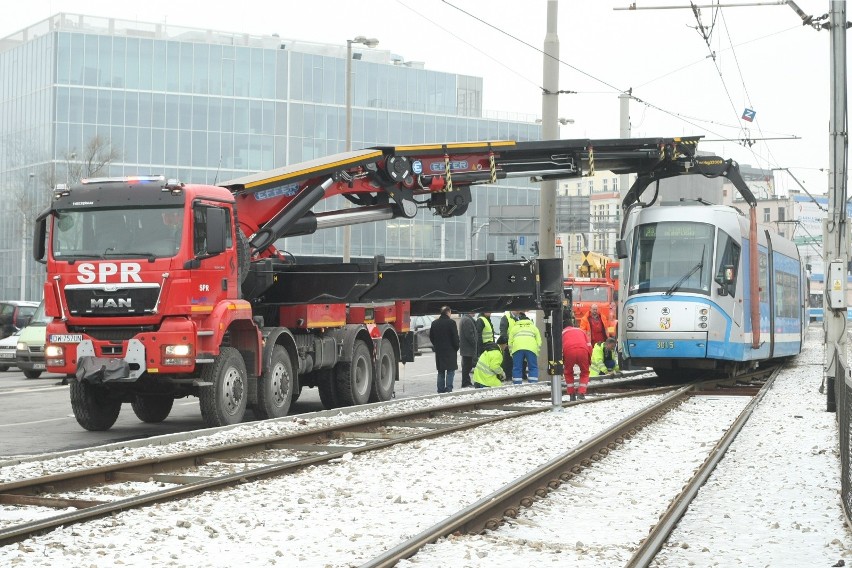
x: 8, y: 345
x: 29, y: 352
x: 421, y: 325
x: 15, y: 315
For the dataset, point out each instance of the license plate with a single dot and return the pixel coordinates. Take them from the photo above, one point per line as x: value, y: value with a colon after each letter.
x: 665, y: 345
x: 65, y: 338
x: 38, y: 366
x: 10, y: 355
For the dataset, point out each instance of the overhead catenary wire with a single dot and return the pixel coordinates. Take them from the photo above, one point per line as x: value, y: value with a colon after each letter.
x: 677, y: 116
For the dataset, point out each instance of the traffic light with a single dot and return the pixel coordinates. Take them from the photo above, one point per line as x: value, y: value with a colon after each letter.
x: 513, y: 246
x: 534, y: 247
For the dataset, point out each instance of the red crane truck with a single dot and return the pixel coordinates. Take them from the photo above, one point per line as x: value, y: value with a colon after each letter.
x: 160, y: 290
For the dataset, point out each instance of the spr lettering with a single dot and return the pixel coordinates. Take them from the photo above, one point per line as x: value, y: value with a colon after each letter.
x: 106, y: 271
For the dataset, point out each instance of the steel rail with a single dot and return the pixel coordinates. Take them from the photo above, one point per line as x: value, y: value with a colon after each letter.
x: 652, y: 544
x: 489, y: 512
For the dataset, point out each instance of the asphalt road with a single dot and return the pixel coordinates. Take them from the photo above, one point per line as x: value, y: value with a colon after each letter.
x: 36, y: 416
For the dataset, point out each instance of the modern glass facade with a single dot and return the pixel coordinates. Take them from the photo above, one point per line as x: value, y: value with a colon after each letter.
x: 205, y: 106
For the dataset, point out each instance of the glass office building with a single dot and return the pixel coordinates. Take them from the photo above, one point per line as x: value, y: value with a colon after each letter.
x: 206, y: 106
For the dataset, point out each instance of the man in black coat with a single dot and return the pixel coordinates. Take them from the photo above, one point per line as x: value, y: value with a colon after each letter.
x: 467, y: 347
x: 444, y: 336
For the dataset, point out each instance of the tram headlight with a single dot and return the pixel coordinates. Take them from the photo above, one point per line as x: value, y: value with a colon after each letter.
x: 704, y: 311
x: 702, y: 325
x: 629, y: 324
x: 703, y: 318
x: 629, y: 318
x: 631, y: 311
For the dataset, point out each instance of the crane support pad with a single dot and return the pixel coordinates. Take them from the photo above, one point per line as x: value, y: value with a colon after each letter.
x: 469, y: 286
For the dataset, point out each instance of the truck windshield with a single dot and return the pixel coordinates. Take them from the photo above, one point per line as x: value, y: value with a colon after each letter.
x: 670, y: 257
x: 593, y: 293
x: 105, y: 233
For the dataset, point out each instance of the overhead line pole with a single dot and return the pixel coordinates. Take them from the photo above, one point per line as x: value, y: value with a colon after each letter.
x: 835, y: 227
x: 547, y: 227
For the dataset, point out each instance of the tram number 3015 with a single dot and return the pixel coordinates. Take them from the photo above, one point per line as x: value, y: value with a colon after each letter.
x: 665, y: 345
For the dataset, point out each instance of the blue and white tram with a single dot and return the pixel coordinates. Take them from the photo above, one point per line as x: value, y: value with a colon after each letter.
x: 687, y: 291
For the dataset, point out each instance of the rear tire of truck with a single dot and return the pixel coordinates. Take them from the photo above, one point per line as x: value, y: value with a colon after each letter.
x: 32, y: 374
x: 354, y: 380
x: 327, y: 388
x: 152, y: 408
x: 224, y: 403
x: 382, y: 389
x: 93, y: 408
x: 275, y: 388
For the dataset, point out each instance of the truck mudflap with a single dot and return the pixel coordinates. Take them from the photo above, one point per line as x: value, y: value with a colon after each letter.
x: 96, y: 369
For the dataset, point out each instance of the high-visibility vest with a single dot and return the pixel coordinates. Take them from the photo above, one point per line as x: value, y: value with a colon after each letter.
x: 489, y: 368
x: 598, y: 366
x: 487, y: 330
x: 523, y: 334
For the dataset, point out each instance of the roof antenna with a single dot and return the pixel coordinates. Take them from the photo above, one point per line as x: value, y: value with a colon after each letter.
x: 219, y: 167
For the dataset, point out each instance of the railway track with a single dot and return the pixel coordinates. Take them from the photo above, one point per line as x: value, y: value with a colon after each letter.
x: 125, y: 485
x: 492, y: 511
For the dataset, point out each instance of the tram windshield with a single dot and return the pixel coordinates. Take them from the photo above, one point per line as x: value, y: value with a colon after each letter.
x: 672, y: 256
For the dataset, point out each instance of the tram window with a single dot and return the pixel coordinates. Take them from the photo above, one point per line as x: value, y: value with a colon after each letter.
x: 728, y: 255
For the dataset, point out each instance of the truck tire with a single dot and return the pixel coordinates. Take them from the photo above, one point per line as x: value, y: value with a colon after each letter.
x: 152, y: 408
x: 354, y: 379
x: 383, y: 384
x: 224, y: 403
x: 275, y: 387
x: 93, y: 408
x: 32, y: 374
x: 327, y: 388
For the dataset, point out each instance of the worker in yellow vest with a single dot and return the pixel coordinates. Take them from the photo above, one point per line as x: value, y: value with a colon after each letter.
x: 489, y: 367
x: 484, y: 332
x: 524, y: 345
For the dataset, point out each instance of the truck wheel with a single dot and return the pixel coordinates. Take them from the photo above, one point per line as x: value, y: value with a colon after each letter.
x: 354, y: 380
x: 93, y: 408
x: 32, y: 374
x: 383, y: 384
x: 224, y: 402
x: 327, y: 388
x: 275, y: 388
x: 152, y: 408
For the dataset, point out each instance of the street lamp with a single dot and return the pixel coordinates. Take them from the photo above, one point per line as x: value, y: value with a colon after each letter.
x: 369, y: 42
x: 24, y: 221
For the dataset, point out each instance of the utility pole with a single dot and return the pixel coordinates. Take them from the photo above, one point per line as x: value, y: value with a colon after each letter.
x: 547, y: 227
x: 835, y: 228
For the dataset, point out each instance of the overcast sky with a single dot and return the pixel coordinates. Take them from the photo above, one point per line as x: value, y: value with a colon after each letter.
x: 765, y: 60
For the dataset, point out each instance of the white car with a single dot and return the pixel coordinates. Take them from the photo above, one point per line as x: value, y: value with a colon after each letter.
x: 8, y: 346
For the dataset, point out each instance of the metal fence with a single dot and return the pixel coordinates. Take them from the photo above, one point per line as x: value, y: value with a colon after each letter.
x: 843, y: 394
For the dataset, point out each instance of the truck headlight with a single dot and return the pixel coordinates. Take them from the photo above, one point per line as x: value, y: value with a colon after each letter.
x: 177, y: 350
x: 180, y: 355
x: 52, y: 351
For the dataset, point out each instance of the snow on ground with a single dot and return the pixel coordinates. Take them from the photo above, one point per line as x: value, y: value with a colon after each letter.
x: 339, y: 514
x: 773, y: 500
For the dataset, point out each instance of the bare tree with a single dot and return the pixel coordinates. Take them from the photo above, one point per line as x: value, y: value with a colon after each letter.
x: 31, y: 185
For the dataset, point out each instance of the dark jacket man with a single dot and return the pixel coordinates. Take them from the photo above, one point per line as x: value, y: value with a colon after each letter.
x: 445, y: 342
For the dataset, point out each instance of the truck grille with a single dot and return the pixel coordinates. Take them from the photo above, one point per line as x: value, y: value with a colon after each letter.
x: 111, y: 300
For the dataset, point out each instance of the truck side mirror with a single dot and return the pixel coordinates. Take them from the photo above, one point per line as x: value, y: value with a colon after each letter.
x: 39, y: 234
x: 217, y: 225
x: 621, y: 248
